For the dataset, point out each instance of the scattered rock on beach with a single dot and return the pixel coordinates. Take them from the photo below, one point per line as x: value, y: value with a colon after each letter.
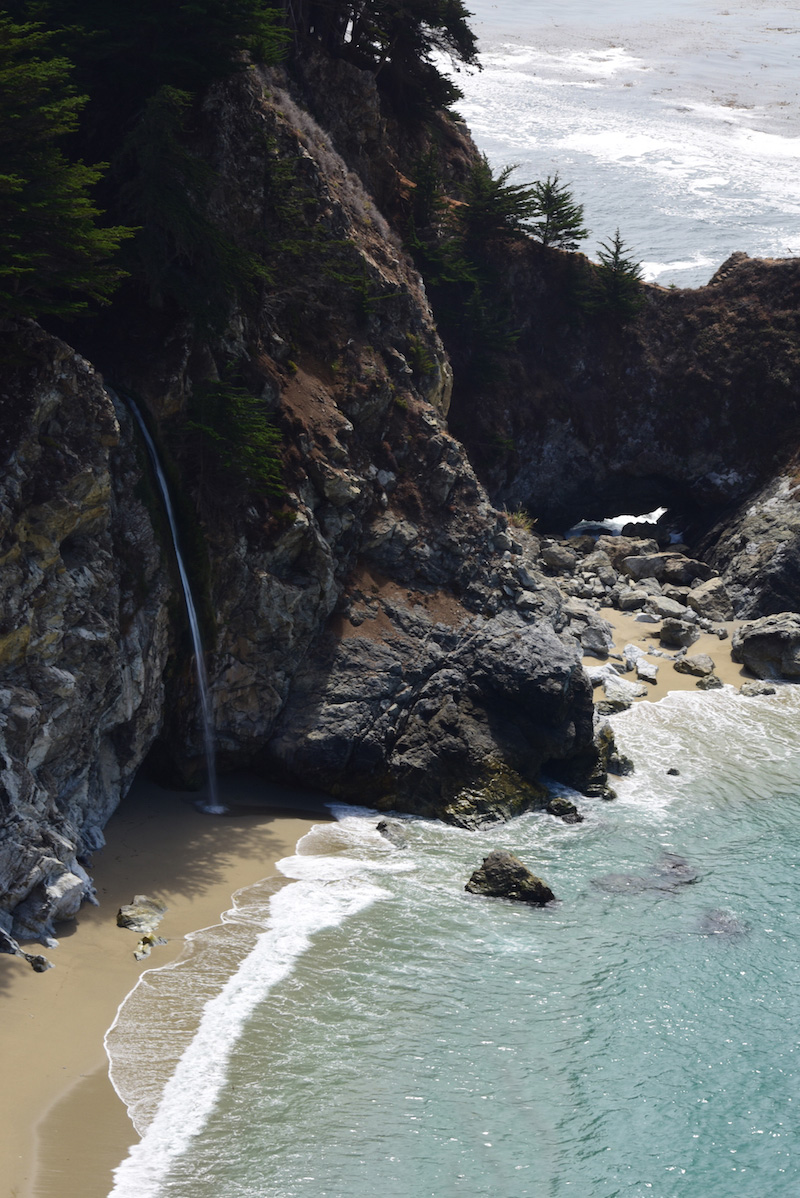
x: 700, y: 665
x: 678, y: 633
x: 770, y: 647
x: 142, y: 915
x: 503, y: 875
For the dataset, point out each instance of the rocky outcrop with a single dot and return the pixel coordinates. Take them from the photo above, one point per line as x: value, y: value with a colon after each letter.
x: 378, y: 630
x: 503, y: 875
x: 769, y: 647
x: 600, y: 417
x: 84, y: 637
x: 452, y: 720
x: 756, y: 548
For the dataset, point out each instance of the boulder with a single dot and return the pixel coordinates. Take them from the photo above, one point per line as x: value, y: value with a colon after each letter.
x: 393, y: 831
x: 142, y: 915
x: 594, y: 641
x: 710, y: 682
x: 668, y: 609
x: 618, y: 548
x: 565, y: 810
x: 646, y: 671
x: 711, y: 600
x: 503, y: 875
x: 684, y: 570
x: 769, y: 647
x: 700, y: 665
x: 559, y: 558
x: 678, y: 633
x: 632, y: 600
x: 752, y: 689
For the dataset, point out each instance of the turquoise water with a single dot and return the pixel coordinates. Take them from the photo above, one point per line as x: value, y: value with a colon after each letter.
x: 383, y: 1032
x: 678, y: 122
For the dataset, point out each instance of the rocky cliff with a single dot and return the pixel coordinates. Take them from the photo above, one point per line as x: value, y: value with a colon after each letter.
x: 374, y: 627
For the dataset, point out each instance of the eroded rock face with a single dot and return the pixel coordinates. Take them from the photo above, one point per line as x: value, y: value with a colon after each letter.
x: 503, y: 875
x: 83, y: 642
x: 413, y: 712
x: 770, y: 647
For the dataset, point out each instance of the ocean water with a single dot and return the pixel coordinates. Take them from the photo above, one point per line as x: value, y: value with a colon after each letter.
x: 360, y: 1025
x: 676, y: 122
x: 370, y: 1028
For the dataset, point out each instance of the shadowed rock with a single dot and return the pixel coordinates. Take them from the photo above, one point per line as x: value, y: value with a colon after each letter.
x: 503, y: 875
x: 565, y: 810
x: 770, y: 647
x: 393, y: 831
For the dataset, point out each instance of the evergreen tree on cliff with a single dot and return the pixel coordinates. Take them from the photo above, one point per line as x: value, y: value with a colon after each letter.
x: 395, y: 39
x: 54, y: 255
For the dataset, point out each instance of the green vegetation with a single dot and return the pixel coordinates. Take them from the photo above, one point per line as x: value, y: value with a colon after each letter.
x: 616, y: 284
x: 395, y: 40
x: 557, y: 219
x: 234, y: 435
x: 54, y: 255
x: 142, y: 66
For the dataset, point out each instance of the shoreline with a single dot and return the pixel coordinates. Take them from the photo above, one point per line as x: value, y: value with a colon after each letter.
x: 627, y: 630
x: 64, y: 1126
x: 62, y: 1117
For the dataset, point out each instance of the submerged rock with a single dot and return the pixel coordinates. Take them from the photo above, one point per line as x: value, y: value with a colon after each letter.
x: 565, y: 810
x: 752, y: 689
x: 393, y: 831
x: 503, y: 875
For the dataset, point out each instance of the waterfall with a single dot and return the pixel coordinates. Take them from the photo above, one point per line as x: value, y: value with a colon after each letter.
x: 213, y: 805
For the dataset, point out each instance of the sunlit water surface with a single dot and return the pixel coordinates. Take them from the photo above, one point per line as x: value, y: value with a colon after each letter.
x: 373, y: 1029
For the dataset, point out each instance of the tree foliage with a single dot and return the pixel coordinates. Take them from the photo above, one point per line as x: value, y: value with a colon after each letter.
x: 556, y: 219
x: 617, y: 282
x: 395, y: 39
x: 54, y: 255
x: 495, y: 207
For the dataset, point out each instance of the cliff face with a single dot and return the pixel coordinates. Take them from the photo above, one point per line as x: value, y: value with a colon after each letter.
x: 377, y: 630
x: 84, y: 633
x: 690, y: 405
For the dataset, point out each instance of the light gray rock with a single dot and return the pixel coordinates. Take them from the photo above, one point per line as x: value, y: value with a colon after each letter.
x: 668, y: 609
x: 770, y: 647
x: 700, y: 665
x: 711, y: 600
x: 646, y: 671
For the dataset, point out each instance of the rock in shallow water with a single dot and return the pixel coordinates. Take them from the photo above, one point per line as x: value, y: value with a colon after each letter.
x: 503, y: 875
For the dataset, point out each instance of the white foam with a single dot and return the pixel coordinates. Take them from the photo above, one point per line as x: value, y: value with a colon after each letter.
x: 297, y: 913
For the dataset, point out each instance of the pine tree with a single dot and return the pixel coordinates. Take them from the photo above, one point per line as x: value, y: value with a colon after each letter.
x: 558, y: 219
x: 494, y: 206
x: 54, y: 256
x: 617, y: 282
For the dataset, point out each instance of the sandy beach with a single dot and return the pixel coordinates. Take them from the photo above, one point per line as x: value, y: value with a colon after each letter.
x: 64, y: 1128
x: 627, y: 630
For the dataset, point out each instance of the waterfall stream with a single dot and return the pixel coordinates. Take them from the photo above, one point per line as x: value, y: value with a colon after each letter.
x: 213, y: 805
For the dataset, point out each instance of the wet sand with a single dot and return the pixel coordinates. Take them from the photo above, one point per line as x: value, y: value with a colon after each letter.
x: 63, y: 1127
